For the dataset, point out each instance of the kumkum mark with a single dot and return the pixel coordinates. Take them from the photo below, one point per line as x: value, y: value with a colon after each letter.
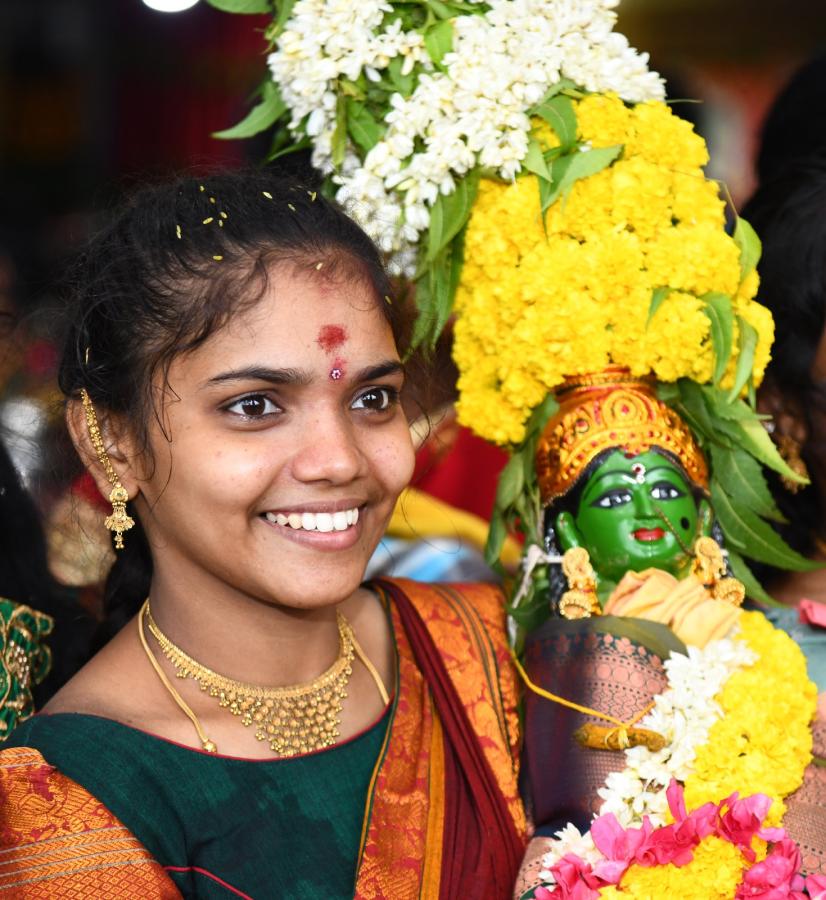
x: 331, y: 337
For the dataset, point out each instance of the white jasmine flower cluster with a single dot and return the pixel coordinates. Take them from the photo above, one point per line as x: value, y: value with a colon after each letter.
x: 683, y: 714
x: 471, y: 113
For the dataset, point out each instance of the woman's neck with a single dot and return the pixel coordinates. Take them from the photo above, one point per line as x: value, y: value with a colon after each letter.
x: 242, y: 637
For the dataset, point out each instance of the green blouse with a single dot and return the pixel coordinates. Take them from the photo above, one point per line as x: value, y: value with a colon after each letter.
x: 223, y: 826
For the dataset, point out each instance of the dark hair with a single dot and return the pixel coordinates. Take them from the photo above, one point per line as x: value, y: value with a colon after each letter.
x: 795, y: 126
x: 789, y: 214
x: 176, y: 263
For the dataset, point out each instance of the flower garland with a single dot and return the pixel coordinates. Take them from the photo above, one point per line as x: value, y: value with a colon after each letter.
x: 540, y: 300
x: 424, y: 99
x: 720, y: 740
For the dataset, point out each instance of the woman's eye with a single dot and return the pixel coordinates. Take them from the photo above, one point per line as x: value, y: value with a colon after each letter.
x: 253, y: 406
x: 663, y: 490
x: 376, y: 399
x: 618, y: 497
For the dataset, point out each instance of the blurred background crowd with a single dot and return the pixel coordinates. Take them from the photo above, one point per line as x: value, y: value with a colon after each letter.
x: 95, y: 97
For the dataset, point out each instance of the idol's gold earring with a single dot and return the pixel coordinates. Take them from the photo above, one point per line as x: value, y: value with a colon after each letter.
x: 709, y: 568
x: 580, y: 600
x: 119, y: 521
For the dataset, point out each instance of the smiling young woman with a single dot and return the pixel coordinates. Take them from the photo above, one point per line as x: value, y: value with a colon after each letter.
x: 262, y: 722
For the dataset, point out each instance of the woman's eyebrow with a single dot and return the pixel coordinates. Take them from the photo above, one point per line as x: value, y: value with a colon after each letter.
x: 382, y: 370
x: 261, y: 373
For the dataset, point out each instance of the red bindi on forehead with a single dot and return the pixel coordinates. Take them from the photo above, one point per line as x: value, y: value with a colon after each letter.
x: 331, y: 337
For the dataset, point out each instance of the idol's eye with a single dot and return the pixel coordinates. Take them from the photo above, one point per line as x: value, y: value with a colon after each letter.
x: 376, y: 399
x: 664, y: 490
x: 253, y: 406
x: 610, y: 499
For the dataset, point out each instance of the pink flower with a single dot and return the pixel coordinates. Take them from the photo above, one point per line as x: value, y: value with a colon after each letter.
x: 675, y: 843
x: 618, y: 845
x: 816, y: 887
x: 812, y: 613
x: 575, y: 880
x: 775, y: 878
x: 742, y: 821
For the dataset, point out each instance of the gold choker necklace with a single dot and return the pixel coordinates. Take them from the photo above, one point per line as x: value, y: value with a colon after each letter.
x: 295, y: 719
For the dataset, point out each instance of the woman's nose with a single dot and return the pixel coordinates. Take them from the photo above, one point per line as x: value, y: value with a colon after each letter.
x: 328, y: 450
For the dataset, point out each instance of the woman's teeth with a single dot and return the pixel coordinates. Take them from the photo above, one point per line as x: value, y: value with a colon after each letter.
x: 337, y: 521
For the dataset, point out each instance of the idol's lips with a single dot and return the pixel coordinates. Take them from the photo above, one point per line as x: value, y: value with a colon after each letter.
x: 649, y: 534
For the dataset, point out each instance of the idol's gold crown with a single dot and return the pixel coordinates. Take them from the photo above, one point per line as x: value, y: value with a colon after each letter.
x: 609, y: 410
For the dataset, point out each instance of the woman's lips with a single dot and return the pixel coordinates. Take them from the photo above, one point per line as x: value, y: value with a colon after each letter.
x: 649, y: 534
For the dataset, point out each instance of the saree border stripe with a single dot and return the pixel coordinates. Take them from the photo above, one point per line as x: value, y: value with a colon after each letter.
x: 72, y: 886
x: 487, y: 652
x: 431, y: 877
x: 368, y: 805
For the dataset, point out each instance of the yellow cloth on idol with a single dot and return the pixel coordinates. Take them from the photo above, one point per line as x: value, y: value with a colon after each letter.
x: 420, y: 515
x: 684, y: 605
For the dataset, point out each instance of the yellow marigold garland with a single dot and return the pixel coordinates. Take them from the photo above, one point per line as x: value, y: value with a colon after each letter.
x: 536, y: 304
x: 714, y: 874
x: 763, y: 741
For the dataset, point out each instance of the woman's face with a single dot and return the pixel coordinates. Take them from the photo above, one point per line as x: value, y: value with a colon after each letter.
x: 283, y: 447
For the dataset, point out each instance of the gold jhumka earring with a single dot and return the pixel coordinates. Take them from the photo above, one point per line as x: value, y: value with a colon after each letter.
x: 709, y: 568
x: 120, y: 520
x: 580, y: 600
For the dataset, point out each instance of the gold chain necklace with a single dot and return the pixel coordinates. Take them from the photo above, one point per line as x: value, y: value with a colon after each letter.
x: 295, y: 719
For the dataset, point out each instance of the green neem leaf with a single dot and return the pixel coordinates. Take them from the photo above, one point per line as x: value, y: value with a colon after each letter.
x: 535, y: 161
x: 559, y: 113
x: 496, y: 537
x: 736, y: 410
x: 339, y: 140
x: 284, y: 147
x: 746, y: 345
x: 404, y: 84
x: 583, y: 164
x: 657, y: 299
x: 242, y: 6
x: 749, y: 243
x: 751, y: 584
x: 285, y: 10
x: 692, y: 406
x: 719, y: 311
x: 449, y: 214
x: 754, y: 537
x: 439, y: 9
x: 563, y: 84
x: 511, y: 482
x: 543, y: 412
x: 264, y: 114
x: 361, y: 125
x: 755, y: 439
x: 743, y: 477
x: 439, y: 40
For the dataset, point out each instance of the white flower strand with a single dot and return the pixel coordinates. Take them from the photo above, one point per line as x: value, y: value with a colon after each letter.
x: 683, y: 714
x: 473, y: 113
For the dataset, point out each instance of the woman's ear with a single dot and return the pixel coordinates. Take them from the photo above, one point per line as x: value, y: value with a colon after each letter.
x: 567, y: 533
x: 116, y: 450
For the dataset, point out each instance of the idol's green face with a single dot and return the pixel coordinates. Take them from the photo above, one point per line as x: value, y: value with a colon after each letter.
x: 635, y: 513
